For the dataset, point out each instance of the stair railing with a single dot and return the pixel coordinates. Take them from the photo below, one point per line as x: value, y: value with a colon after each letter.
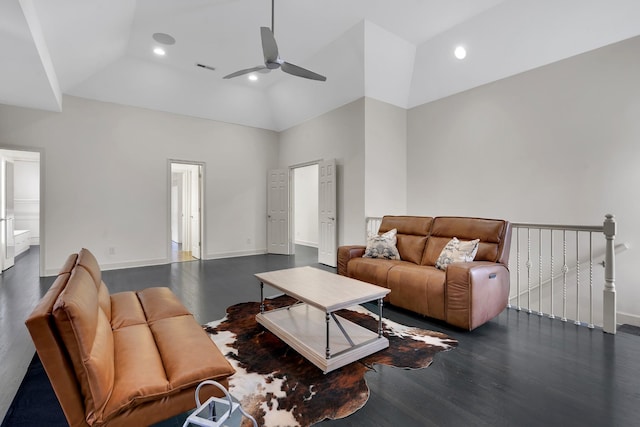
x: 573, y: 241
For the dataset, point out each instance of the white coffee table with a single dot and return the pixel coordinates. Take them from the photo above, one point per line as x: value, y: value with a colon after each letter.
x: 306, y: 325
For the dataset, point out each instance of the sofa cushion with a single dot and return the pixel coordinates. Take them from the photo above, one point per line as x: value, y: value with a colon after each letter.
x: 371, y: 270
x: 418, y: 288
x: 382, y: 246
x: 188, y: 354
x: 86, y: 332
x: 126, y: 310
x: 457, y: 251
x: 139, y: 369
x: 412, y: 234
x: 489, y: 231
x: 89, y: 262
x: 160, y: 303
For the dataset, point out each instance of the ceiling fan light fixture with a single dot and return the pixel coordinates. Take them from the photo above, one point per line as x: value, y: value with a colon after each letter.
x: 159, y: 51
x: 460, y: 52
x: 253, y: 77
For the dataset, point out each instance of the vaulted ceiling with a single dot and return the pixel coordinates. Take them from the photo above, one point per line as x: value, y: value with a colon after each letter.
x: 399, y: 51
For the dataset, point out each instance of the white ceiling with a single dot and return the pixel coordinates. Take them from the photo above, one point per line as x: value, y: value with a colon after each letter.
x: 399, y: 51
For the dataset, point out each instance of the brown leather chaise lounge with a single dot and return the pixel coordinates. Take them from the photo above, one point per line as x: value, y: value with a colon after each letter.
x: 466, y: 294
x: 127, y: 359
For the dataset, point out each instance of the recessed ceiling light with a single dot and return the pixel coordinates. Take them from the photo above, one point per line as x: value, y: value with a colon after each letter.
x: 159, y: 51
x: 460, y: 52
x: 253, y: 77
x: 163, y: 38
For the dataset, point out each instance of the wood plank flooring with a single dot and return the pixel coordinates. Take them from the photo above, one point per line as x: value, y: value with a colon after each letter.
x: 517, y: 370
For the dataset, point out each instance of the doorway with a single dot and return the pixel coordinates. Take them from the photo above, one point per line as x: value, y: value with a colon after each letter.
x: 305, y: 210
x: 186, y: 189
x: 19, y: 205
x: 281, y: 207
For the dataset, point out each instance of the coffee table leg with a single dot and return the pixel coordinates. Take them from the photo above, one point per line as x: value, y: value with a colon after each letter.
x: 380, y: 318
x: 328, y: 353
x: 261, y: 297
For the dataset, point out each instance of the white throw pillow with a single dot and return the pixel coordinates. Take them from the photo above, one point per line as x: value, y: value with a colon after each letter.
x: 382, y: 246
x: 457, y: 251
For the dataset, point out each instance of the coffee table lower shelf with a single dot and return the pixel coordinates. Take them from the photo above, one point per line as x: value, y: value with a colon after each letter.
x: 304, y: 328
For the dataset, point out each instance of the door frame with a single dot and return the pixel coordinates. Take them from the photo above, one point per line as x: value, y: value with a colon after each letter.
x: 202, y: 192
x: 41, y: 209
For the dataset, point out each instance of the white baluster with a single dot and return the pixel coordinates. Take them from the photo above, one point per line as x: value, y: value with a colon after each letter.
x: 577, y: 320
x: 565, y: 269
x: 518, y: 271
x: 529, y: 270
x: 591, y: 326
x: 539, y: 271
x: 551, y: 313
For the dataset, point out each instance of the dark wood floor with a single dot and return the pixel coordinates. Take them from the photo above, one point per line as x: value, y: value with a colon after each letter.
x: 517, y: 370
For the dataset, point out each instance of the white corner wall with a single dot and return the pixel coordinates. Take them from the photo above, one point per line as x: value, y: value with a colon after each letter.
x: 337, y: 134
x: 557, y: 145
x: 385, y: 175
x: 107, y: 184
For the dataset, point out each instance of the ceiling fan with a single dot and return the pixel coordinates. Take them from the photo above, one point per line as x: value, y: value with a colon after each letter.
x: 272, y: 58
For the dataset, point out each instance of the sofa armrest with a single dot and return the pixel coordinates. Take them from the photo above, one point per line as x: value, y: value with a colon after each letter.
x: 475, y: 292
x: 345, y: 253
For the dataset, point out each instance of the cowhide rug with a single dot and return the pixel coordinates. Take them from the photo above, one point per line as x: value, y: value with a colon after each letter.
x: 278, y: 387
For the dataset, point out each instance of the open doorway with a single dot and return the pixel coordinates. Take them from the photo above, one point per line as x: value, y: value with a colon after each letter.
x: 305, y: 211
x: 281, y: 210
x: 186, y: 211
x: 19, y: 206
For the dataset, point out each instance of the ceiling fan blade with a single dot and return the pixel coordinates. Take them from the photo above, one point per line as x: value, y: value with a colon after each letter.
x: 269, y: 45
x: 287, y: 67
x: 245, y: 71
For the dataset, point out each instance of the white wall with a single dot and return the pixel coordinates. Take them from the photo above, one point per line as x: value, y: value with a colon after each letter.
x: 305, y: 196
x: 107, y: 179
x: 559, y: 144
x: 337, y: 134
x: 385, y: 176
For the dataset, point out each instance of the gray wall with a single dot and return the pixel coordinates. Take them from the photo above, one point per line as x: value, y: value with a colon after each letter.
x: 385, y: 176
x: 338, y: 134
x: 106, y: 180
x: 559, y: 144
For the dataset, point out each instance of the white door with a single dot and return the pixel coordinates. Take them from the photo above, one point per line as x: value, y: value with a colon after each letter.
x: 7, y: 214
x: 278, y: 212
x: 196, y: 211
x: 327, y: 236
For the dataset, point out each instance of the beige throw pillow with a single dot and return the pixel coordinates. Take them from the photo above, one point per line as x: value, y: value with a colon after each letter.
x: 457, y: 251
x: 383, y: 246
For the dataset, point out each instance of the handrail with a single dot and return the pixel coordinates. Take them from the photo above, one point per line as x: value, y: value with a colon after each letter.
x: 586, y: 228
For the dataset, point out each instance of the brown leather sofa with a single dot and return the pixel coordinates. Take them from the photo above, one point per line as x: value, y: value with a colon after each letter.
x: 466, y: 295
x: 127, y: 359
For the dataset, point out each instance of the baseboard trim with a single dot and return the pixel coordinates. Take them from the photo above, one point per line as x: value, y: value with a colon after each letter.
x: 628, y: 319
x: 222, y: 255
x: 119, y: 265
x: 305, y: 243
x: 161, y: 261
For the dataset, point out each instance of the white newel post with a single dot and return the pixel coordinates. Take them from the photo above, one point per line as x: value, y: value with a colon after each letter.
x: 609, y: 309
